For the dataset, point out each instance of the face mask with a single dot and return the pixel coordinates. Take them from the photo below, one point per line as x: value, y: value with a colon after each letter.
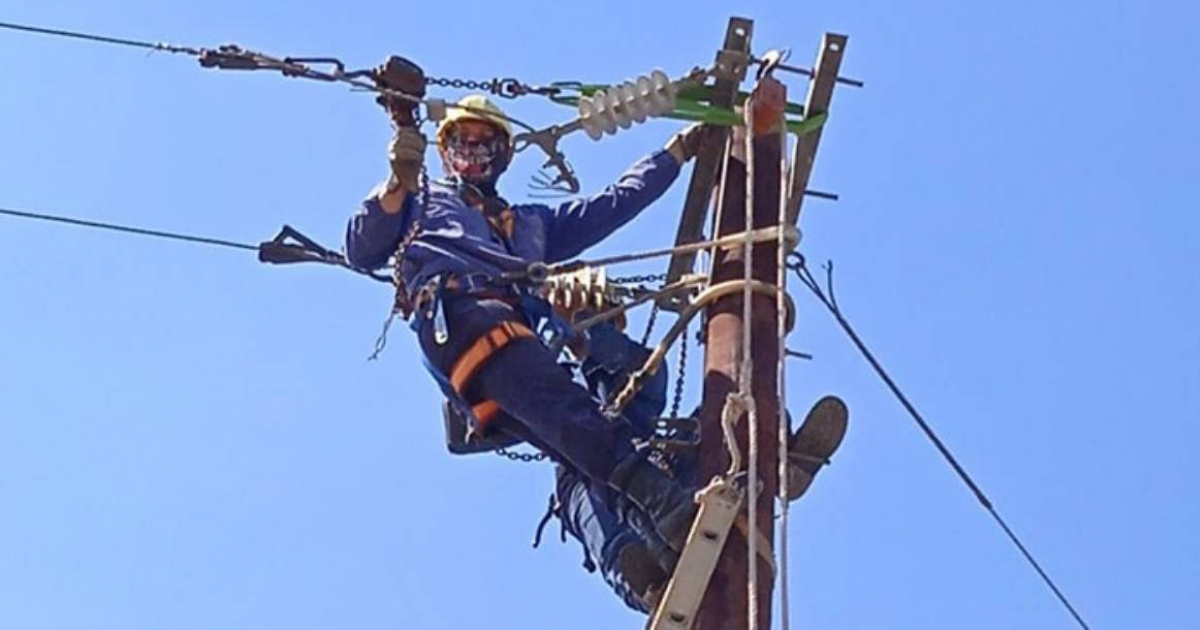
x: 477, y: 161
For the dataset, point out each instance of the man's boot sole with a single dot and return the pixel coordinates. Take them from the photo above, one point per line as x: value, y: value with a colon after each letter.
x: 815, y: 442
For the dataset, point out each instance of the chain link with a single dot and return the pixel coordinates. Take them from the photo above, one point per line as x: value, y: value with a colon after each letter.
x: 505, y: 88
x: 650, y: 324
x: 642, y: 279
x: 527, y: 458
x: 679, y: 378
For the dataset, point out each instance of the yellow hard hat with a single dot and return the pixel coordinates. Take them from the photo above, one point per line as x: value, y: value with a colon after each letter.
x: 473, y: 107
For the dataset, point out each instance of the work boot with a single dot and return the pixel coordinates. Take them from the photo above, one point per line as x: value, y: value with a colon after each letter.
x: 651, y: 502
x: 643, y: 572
x: 814, y: 443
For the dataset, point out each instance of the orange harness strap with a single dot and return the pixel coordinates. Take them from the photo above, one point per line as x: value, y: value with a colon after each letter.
x: 485, y: 411
x: 474, y: 358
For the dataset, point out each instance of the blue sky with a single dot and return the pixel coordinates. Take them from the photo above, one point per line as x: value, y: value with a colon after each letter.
x: 191, y: 440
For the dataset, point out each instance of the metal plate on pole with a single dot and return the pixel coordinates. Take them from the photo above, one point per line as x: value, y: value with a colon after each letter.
x: 731, y: 65
x: 820, y: 93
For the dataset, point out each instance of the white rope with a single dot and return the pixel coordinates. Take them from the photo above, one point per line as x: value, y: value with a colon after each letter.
x: 745, y: 390
x: 720, y: 199
x: 729, y: 241
x: 781, y: 387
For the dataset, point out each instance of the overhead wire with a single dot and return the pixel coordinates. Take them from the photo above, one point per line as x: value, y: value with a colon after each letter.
x: 100, y: 38
x: 829, y: 300
x: 128, y: 229
x: 289, y: 67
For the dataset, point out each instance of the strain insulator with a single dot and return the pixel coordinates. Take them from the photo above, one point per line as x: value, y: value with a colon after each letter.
x: 627, y: 103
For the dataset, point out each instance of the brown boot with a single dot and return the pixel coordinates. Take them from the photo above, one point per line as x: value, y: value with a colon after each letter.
x: 814, y: 443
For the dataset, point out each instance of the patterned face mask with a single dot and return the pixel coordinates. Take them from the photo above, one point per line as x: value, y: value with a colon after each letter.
x: 478, y: 161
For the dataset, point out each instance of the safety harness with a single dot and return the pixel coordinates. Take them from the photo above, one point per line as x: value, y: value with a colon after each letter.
x: 466, y: 421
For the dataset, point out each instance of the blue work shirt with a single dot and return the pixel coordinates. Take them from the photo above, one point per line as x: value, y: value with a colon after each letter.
x: 456, y: 238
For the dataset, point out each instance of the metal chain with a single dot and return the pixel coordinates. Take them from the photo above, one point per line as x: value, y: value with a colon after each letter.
x: 650, y: 324
x: 505, y: 88
x: 401, y: 305
x: 527, y: 458
x: 679, y: 378
x: 642, y: 279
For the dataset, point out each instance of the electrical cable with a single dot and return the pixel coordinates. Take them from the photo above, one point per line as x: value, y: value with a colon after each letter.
x: 829, y: 300
x: 190, y: 238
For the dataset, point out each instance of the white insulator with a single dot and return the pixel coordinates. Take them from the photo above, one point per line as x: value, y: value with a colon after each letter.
x: 587, y: 118
x: 663, y: 97
x: 626, y: 104
x: 615, y: 105
x: 634, y: 107
x: 605, y: 116
x: 643, y: 90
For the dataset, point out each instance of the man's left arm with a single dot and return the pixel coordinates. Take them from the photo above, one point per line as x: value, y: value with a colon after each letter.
x: 578, y: 224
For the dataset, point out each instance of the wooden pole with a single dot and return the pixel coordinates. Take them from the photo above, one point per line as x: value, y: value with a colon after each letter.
x: 725, y: 606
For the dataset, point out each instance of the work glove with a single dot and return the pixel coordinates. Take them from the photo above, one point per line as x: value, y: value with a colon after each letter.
x: 685, y: 144
x: 406, y: 153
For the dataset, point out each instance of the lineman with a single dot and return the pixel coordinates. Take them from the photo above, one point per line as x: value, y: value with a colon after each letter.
x: 452, y: 242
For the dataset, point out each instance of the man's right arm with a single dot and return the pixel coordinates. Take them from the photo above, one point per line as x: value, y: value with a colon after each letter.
x: 374, y: 232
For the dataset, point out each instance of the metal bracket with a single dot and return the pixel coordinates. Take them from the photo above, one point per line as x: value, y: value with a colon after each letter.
x: 731, y: 66
x: 719, y: 506
x: 820, y: 93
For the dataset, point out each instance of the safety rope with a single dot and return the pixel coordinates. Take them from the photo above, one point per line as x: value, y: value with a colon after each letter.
x: 730, y: 241
x: 781, y: 546
x: 745, y: 384
x: 715, y: 292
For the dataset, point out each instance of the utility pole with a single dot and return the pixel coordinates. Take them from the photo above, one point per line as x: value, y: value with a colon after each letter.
x: 726, y: 603
x: 726, y: 606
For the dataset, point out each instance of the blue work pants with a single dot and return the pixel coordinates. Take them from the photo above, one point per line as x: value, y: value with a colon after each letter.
x: 544, y: 405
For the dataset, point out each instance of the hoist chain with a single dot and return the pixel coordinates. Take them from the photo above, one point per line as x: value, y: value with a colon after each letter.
x: 506, y: 88
x: 679, y: 378
x: 650, y: 324
x: 521, y: 457
x: 642, y: 279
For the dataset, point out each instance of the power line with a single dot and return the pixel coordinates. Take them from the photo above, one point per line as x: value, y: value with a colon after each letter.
x: 829, y: 300
x: 99, y: 38
x: 189, y: 238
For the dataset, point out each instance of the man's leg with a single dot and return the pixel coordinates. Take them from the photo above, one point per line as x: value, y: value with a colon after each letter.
x: 624, y: 558
x: 524, y: 379
x: 526, y: 382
